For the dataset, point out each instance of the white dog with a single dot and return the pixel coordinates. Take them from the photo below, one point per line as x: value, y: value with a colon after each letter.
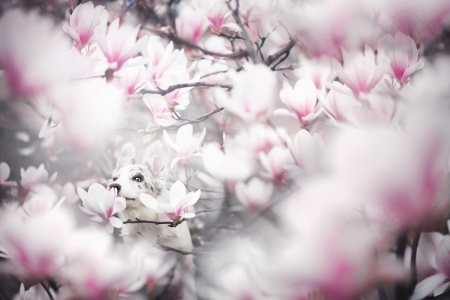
x: 148, y: 177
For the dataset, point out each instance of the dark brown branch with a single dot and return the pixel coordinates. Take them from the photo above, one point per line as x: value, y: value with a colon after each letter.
x: 282, y: 52
x: 47, y: 290
x: 413, y: 277
x: 179, y: 40
x: 170, y: 224
x: 186, y: 85
x: 167, y: 248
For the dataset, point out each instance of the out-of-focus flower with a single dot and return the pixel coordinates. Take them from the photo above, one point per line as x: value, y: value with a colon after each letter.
x: 131, y: 79
x: 119, y: 44
x: 380, y: 109
x: 32, y: 176
x: 262, y: 137
x: 84, y: 19
x: 4, y: 175
x: 37, y: 245
x: 255, y: 193
x: 179, y: 98
x: 275, y: 161
x: 35, y: 292
x: 305, y: 149
x: 102, y: 204
x: 162, y: 58
x: 40, y: 200
x: 190, y: 24
x: 159, y: 108
x: 337, y: 105
x: 178, y: 202
x: 359, y: 71
x: 186, y: 145
x: 319, y: 70
x: 403, y: 55
x: 67, y: 191
x: 26, y: 68
x: 94, y: 269
x: 250, y: 99
x: 302, y: 99
x: 235, y: 163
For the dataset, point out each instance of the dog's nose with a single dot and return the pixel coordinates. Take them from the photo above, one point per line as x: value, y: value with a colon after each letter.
x: 115, y: 186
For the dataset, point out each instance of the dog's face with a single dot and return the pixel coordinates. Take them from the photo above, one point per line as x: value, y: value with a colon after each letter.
x: 132, y: 179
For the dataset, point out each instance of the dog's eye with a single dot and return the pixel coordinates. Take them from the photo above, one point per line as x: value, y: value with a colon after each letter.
x: 115, y: 178
x: 138, y: 178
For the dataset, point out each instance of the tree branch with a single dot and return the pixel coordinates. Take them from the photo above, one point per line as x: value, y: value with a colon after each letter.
x: 283, y: 51
x: 179, y: 40
x: 169, y: 223
x: 186, y: 85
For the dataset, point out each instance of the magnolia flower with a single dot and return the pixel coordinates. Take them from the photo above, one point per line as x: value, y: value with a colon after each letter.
x: 186, y: 144
x: 275, y: 161
x: 319, y: 70
x: 162, y: 58
x: 84, y: 19
x: 178, y: 202
x: 305, y: 149
x: 36, y: 246
x: 235, y: 163
x: 217, y: 13
x: 32, y: 176
x: 250, y: 99
x: 119, y: 44
x: 40, y: 200
x: 255, y: 193
x: 359, y: 71
x: 159, y: 108
x: 337, y: 105
x: 35, y: 292
x: 102, y: 204
x: 131, y: 79
x: 190, y: 24
x: 67, y: 191
x: 179, y: 98
x: 302, y: 100
x: 402, y: 52
x: 262, y: 137
x: 4, y: 175
x: 27, y: 68
x: 96, y: 266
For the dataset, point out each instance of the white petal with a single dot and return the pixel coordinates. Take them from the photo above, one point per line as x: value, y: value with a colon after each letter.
x: 116, y: 222
x: 188, y: 215
x: 426, y: 286
x: 177, y: 192
x: 149, y: 201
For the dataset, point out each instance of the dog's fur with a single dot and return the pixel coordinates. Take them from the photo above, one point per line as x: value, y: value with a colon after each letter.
x: 149, y: 177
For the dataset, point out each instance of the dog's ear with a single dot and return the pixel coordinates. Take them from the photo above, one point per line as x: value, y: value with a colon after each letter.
x: 127, y: 156
x: 156, y: 161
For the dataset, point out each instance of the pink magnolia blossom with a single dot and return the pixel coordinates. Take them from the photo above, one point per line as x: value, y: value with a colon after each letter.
x: 119, y: 44
x: 250, y: 99
x: 160, y: 110
x: 186, y: 145
x: 102, y: 204
x: 162, y: 58
x: 190, y: 24
x: 359, y: 71
x: 319, y: 70
x: 403, y: 55
x: 254, y: 194
x: 40, y: 200
x: 302, y: 99
x: 131, y: 79
x: 30, y: 44
x: 94, y: 268
x: 380, y: 110
x: 32, y: 176
x: 179, y: 98
x: 274, y: 163
x: 4, y: 175
x: 217, y: 13
x: 36, y: 246
x: 84, y: 19
x: 305, y: 149
x: 262, y: 137
x: 338, y: 105
x: 178, y: 202
x: 67, y: 191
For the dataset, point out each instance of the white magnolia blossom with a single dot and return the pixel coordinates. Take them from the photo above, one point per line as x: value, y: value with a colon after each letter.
x: 255, y: 193
x: 186, y: 145
x: 178, y: 202
x: 102, y: 204
x: 4, y: 175
x: 32, y: 176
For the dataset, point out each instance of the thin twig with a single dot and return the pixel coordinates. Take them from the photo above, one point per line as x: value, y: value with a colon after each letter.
x: 179, y: 40
x: 170, y: 224
x: 187, y: 85
x: 47, y: 290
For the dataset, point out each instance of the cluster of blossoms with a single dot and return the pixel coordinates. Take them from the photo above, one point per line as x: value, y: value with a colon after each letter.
x: 304, y: 147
